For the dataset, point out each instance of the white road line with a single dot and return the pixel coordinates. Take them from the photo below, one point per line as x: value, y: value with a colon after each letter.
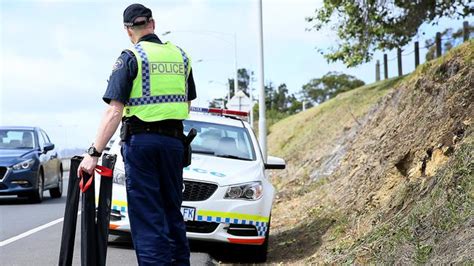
x: 32, y: 231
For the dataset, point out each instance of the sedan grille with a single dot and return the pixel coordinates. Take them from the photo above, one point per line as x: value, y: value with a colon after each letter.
x: 3, y: 171
x: 198, y: 191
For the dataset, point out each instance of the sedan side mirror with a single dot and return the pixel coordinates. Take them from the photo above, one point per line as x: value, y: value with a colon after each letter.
x: 48, y: 147
x: 275, y: 163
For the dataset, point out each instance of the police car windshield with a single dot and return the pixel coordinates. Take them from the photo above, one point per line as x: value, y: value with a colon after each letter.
x: 221, y: 140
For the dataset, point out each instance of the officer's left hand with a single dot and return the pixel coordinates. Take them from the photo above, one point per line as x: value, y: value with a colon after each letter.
x: 87, y: 165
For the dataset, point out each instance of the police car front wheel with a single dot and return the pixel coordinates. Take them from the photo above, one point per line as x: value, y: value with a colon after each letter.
x: 258, y: 254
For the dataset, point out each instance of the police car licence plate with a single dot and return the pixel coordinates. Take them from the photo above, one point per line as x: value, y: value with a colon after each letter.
x: 188, y: 213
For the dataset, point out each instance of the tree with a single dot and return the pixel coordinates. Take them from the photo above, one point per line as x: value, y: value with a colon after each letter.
x: 367, y: 25
x: 244, y: 77
x: 295, y: 105
x: 280, y: 100
x: 269, y: 94
x: 328, y: 86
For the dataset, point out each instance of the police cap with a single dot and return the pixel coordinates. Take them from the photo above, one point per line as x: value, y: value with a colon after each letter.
x: 132, y: 12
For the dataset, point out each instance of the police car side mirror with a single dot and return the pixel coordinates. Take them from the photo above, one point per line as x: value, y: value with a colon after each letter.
x: 275, y: 163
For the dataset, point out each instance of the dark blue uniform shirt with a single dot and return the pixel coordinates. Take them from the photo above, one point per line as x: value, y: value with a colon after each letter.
x: 124, y: 72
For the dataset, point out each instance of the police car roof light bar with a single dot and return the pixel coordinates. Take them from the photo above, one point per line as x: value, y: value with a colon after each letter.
x: 218, y: 111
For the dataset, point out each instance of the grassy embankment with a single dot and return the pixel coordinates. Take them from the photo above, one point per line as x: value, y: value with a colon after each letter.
x: 383, y: 173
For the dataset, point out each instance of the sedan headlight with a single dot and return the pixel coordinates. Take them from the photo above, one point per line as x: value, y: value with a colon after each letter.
x: 119, y: 177
x: 248, y: 191
x: 27, y: 164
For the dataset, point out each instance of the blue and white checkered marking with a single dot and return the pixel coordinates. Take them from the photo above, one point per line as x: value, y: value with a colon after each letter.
x: 261, y: 226
x: 119, y: 208
x: 146, y: 90
x: 157, y: 99
x: 186, y: 66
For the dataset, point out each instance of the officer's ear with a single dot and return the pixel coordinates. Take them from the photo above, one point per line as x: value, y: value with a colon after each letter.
x: 129, y: 31
x: 152, y: 21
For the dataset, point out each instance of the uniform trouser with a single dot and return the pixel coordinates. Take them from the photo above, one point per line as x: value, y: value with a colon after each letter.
x: 154, y: 170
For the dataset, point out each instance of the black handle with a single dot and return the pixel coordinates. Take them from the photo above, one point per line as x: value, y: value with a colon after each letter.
x: 191, y: 135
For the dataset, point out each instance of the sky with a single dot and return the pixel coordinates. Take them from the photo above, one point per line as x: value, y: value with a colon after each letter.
x: 56, y: 55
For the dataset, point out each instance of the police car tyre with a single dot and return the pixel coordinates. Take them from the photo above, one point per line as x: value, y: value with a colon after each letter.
x: 259, y: 253
x: 37, y: 195
x: 57, y: 192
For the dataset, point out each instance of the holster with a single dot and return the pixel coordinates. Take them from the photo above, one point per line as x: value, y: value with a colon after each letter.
x: 187, y: 147
x: 125, y: 131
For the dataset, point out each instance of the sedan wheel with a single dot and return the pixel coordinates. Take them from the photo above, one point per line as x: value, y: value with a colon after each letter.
x: 37, y: 195
x: 57, y: 192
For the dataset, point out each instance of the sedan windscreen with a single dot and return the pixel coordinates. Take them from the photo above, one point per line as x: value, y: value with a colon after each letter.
x: 221, y: 140
x: 17, y: 139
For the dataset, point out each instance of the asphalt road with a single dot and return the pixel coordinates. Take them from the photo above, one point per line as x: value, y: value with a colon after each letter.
x: 30, y: 234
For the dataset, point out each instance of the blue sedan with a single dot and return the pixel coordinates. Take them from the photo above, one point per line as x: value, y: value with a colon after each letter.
x: 29, y: 164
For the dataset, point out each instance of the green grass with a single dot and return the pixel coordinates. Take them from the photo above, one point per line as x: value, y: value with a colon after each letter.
x: 326, y: 121
x: 318, y: 128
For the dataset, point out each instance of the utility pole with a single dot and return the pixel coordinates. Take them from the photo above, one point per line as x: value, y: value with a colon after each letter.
x: 251, y: 106
x: 262, y: 130
x: 385, y: 66
x: 228, y: 94
x: 236, y: 81
x: 252, y: 80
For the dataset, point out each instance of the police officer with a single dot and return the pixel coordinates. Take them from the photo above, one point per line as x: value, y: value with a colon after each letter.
x: 150, y: 89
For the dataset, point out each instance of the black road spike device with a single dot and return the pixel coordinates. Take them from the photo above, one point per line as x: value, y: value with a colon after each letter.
x: 94, y: 224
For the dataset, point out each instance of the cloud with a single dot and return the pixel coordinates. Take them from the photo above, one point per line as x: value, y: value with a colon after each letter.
x: 285, y: 21
x: 56, y: 57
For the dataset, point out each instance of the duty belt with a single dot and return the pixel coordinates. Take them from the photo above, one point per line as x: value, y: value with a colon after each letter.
x: 140, y: 129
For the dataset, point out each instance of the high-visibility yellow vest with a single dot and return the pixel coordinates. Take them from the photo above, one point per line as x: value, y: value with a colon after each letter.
x: 159, y: 90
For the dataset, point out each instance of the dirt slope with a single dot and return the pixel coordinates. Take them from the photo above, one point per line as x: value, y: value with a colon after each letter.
x: 383, y: 173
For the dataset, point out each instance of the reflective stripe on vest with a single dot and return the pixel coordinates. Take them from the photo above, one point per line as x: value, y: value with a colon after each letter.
x: 146, y: 90
x: 186, y: 63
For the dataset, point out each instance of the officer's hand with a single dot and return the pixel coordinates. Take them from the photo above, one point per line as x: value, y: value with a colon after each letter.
x: 87, y: 165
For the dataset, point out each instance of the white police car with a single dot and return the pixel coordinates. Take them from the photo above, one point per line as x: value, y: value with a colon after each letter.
x: 227, y: 196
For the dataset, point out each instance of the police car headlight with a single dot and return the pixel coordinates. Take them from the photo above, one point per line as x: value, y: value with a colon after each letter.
x: 119, y: 177
x: 27, y: 164
x: 249, y: 191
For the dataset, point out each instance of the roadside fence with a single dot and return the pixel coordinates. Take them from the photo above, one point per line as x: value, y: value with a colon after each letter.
x: 416, y: 51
